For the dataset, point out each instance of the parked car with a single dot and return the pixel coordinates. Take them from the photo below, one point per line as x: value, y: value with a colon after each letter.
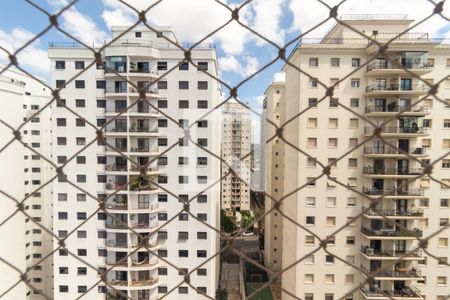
x: 248, y: 233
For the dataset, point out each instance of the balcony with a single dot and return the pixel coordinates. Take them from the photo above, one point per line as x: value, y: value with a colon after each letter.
x: 376, y: 254
x: 143, y: 129
x: 117, y: 206
x: 390, y: 233
x: 386, y: 68
x: 395, y: 89
x: 408, y: 292
x: 393, y: 109
x: 117, y: 225
x: 391, y: 172
x: 118, y: 284
x: 398, y: 193
x: 116, y: 244
x: 392, y: 152
x: 396, y: 131
x: 144, y: 282
x: 144, y: 149
x: 149, y: 91
x: 116, y: 186
x: 397, y: 274
x: 394, y: 214
x: 116, y: 168
x: 144, y: 225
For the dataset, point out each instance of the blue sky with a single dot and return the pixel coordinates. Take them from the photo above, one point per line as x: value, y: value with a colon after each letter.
x: 240, y: 52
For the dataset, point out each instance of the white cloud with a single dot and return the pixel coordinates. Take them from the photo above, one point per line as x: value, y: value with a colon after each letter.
x: 31, y: 57
x: 308, y: 13
x: 194, y: 19
x: 247, y: 67
x: 78, y: 24
x: 279, y: 77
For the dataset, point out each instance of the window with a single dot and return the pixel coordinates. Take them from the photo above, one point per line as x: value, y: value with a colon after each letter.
x: 60, y: 65
x: 202, y: 85
x: 81, y: 159
x: 352, y: 162
x: 329, y: 259
x: 313, y: 83
x: 354, y: 102
x: 183, y: 104
x: 426, y: 143
x: 310, y: 260
x: 312, y: 102
x: 162, y: 141
x: 201, y: 253
x: 183, y: 66
x: 202, y: 199
x: 183, y: 160
x: 353, y: 123
x: 352, y: 142
x: 349, y: 279
x: 331, y: 201
x: 445, y: 203
x: 332, y: 143
x: 354, y: 83
x: 62, y: 197
x: 81, y: 252
x: 311, y: 181
x: 335, y: 62
x: 79, y: 65
x: 63, y: 270
x: 331, y: 221
x: 329, y: 278
x: 309, y: 278
x: 201, y: 290
x: 309, y: 296
x: 442, y: 242
x: 333, y: 123
x: 162, y: 85
x: 313, y: 61
x: 202, y: 142
x: 310, y: 220
x: 202, y: 161
x: 312, y: 143
x: 81, y: 178
x: 63, y: 289
x: 60, y: 84
x: 441, y: 280
x: 202, y: 235
x: 446, y: 143
x: 334, y: 82
x: 352, y: 181
x: 312, y: 122
x: 329, y: 296
x: 309, y: 240
x: 202, y: 272
x: 61, y: 122
x: 334, y: 102
x: 183, y: 235
x: 81, y: 216
x: 446, y: 163
x: 161, y: 65
x: 81, y: 141
x: 311, y: 162
x: 182, y: 290
x: 351, y: 201
x: 350, y: 240
x: 101, y: 84
x: 356, y: 62
x: 79, y: 84
x: 443, y: 221
x: 183, y: 253
x: 183, y: 217
x: 447, y: 123
x: 202, y: 66
x: 101, y: 103
x: 427, y: 123
x: 62, y: 215
x: 202, y: 179
x: 80, y: 122
x: 202, y: 124
x: 202, y: 104
x: 183, y: 85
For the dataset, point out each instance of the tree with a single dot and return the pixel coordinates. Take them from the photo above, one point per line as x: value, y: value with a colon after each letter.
x: 228, y: 224
x: 246, y: 218
x: 221, y: 294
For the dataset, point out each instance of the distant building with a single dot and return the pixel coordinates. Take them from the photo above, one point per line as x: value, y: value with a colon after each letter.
x: 236, y: 151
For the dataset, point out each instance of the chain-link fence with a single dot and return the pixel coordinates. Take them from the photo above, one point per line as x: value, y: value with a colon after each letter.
x: 373, y: 131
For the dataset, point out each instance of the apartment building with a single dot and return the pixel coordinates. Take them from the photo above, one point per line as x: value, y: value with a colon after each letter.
x: 139, y: 206
x: 27, y: 172
x: 379, y: 90
x: 236, y: 152
x: 273, y: 222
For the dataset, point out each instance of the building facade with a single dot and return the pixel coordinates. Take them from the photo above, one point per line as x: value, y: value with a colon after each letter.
x: 236, y: 141
x: 29, y: 172
x: 379, y: 90
x: 139, y: 207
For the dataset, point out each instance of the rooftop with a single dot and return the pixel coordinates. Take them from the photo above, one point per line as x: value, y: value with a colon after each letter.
x: 372, y: 17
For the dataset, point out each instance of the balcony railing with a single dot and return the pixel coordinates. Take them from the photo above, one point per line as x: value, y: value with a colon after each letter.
x: 116, y: 186
x: 389, y: 150
x: 113, y: 243
x: 114, y: 167
x: 406, y: 292
x: 395, y: 213
x: 400, y: 192
x: 117, y: 206
x: 397, y: 87
x: 386, y: 65
x: 144, y: 129
x: 413, y: 273
x: 144, y: 282
x: 144, y: 225
x: 116, y: 90
x: 145, y: 71
x: 116, y: 225
x: 368, y: 251
x: 396, y: 129
x: 147, y: 90
x: 138, y: 169
x: 387, y: 232
x: 391, y: 171
x: 395, y: 108
x: 116, y: 282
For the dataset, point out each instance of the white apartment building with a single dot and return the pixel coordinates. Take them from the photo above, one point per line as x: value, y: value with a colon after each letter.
x: 379, y: 90
x: 236, y: 152
x: 143, y: 135
x: 27, y: 172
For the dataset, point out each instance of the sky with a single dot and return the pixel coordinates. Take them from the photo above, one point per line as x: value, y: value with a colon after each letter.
x: 240, y: 52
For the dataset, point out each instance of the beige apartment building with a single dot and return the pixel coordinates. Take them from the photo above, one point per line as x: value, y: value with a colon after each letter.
x: 236, y: 152
x: 379, y: 90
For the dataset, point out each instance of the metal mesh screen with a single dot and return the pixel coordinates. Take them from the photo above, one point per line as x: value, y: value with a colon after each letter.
x: 372, y: 131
